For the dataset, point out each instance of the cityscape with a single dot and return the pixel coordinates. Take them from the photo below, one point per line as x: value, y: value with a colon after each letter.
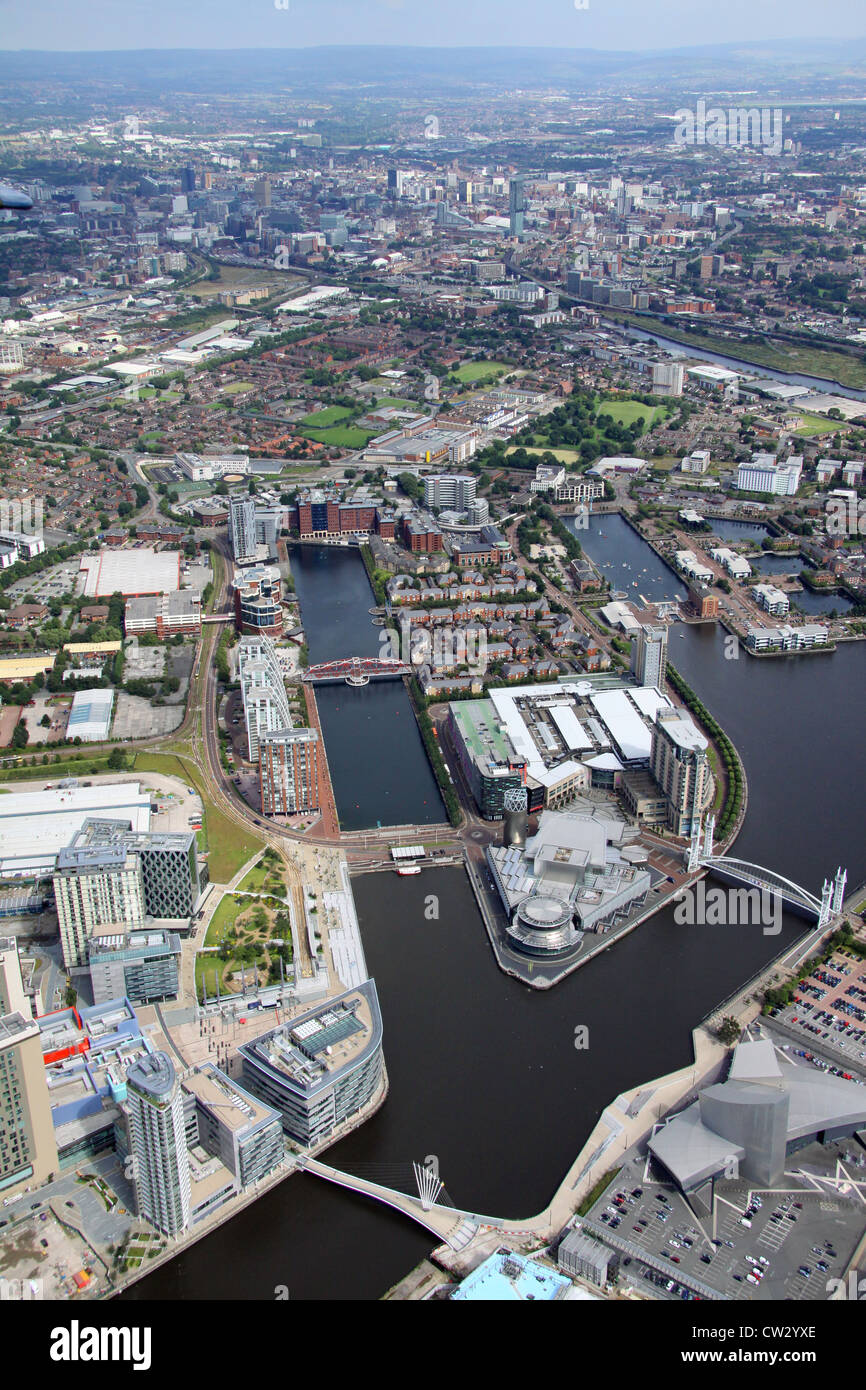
x: 432, y: 610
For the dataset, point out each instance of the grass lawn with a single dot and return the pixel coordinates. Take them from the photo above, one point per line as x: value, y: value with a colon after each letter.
x: 417, y: 407
x: 563, y: 455
x: 235, y: 388
x: 480, y: 371
x: 626, y: 412
x: 237, y: 916
x: 814, y: 425
x: 347, y: 437
x: 229, y: 846
x: 77, y: 766
x: 320, y: 419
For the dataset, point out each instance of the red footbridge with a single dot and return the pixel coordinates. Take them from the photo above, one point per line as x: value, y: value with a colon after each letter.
x: 357, y: 670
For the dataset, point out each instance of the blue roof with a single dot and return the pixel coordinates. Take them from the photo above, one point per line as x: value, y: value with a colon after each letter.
x: 507, y: 1277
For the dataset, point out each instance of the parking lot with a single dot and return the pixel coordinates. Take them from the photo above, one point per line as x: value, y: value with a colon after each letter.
x: 798, y: 1236
x: 829, y: 1011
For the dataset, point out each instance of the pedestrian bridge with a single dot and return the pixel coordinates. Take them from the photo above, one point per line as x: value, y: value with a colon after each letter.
x: 357, y: 670
x: 829, y: 905
x: 456, y: 1228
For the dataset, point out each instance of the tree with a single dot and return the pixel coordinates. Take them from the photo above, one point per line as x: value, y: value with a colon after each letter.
x: 20, y: 735
x: 728, y: 1031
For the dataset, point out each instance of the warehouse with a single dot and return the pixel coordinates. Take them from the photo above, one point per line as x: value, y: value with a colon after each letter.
x: 131, y: 572
x: 90, y: 715
x: 35, y: 825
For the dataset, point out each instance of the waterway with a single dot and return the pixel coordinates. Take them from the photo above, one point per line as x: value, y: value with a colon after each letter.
x: 738, y: 364
x: 483, y: 1071
x: 376, y: 780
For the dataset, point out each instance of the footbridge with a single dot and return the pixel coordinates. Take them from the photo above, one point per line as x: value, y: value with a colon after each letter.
x: 357, y: 670
x: 456, y: 1228
x: 829, y: 905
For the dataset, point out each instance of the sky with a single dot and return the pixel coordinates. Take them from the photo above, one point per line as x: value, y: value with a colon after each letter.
x: 602, y: 24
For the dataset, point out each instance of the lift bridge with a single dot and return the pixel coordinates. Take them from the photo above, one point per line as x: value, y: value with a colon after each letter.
x: 825, y: 908
x: 357, y: 670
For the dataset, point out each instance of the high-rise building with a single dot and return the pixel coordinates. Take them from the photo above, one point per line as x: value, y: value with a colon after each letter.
x: 28, y: 1151
x: 257, y: 601
x: 679, y: 764
x: 111, y: 875
x: 242, y: 528
x: 395, y: 183
x: 187, y: 180
x: 649, y: 656
x: 97, y: 882
x: 262, y: 191
x: 289, y: 771
x: 140, y: 966
x: 157, y: 1140
x: 516, y: 206
x: 452, y: 490
x: 263, y: 691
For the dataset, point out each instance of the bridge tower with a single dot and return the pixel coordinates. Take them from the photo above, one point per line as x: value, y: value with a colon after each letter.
x: 839, y: 890
x: 429, y: 1185
x: 826, y: 903
x: 709, y: 833
x: 693, y: 857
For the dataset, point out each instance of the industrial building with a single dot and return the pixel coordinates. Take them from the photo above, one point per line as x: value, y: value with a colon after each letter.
x: 320, y: 1069
x: 131, y: 572
x: 90, y: 715
x: 36, y: 825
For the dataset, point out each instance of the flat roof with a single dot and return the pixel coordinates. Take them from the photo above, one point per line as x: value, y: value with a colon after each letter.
x: 36, y: 825
x: 131, y: 572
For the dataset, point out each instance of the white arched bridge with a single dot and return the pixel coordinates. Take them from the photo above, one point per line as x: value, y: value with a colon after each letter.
x: 829, y: 905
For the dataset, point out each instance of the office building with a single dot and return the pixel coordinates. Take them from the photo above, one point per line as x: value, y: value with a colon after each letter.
x: 649, y: 655
x: 234, y: 1126
x: 775, y: 601
x: 516, y: 206
x: 395, y: 183
x: 28, y: 1152
x: 157, y: 1139
x: 289, y: 771
x: 698, y: 461
x: 242, y: 528
x: 320, y: 1069
x: 667, y: 377
x: 452, y: 490
x: 140, y: 966
x: 764, y: 474
x: 679, y: 764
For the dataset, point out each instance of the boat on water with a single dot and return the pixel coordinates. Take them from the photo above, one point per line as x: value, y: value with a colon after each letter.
x: 407, y: 870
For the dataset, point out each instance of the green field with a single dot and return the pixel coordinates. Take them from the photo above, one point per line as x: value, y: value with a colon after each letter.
x: 626, y: 412
x: 321, y: 419
x: 235, y: 388
x: 345, y: 437
x: 229, y: 846
x: 480, y: 371
x: 563, y: 455
x: 417, y: 407
x: 814, y: 425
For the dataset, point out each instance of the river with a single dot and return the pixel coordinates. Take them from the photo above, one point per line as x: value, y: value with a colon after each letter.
x: 483, y: 1071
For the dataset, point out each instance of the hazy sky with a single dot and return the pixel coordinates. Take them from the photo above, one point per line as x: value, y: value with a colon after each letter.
x: 609, y: 24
